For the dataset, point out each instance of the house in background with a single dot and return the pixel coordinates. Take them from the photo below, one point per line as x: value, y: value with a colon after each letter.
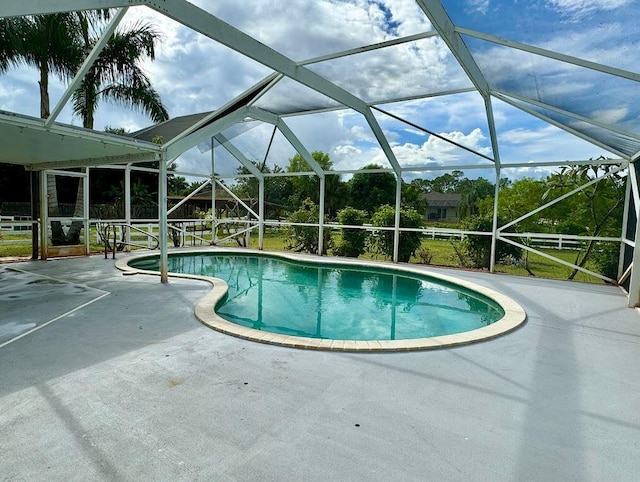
x: 442, y: 207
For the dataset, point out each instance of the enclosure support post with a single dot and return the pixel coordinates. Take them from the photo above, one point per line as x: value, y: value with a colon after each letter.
x: 321, y: 217
x: 44, y: 214
x: 634, y: 280
x: 396, y: 223
x: 625, y: 223
x: 127, y: 205
x: 494, y: 225
x: 35, y: 204
x: 488, y: 107
x: 213, y: 193
x: 162, y: 206
x: 85, y: 210
x: 260, y: 212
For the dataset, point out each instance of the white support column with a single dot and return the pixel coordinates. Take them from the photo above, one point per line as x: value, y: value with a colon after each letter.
x: 494, y: 224
x: 625, y: 224
x: 162, y: 207
x: 213, y: 194
x: 261, y: 213
x: 634, y: 279
x: 634, y: 283
x: 488, y: 106
x: 127, y: 205
x: 85, y: 211
x: 44, y: 215
x: 321, y: 216
x: 396, y: 223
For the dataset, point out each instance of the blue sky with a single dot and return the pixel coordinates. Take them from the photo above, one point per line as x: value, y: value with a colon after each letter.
x: 194, y: 74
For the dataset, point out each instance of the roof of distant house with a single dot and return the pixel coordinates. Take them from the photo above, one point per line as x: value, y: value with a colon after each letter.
x: 442, y: 200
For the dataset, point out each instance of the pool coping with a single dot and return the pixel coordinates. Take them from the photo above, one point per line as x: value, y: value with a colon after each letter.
x: 514, y: 316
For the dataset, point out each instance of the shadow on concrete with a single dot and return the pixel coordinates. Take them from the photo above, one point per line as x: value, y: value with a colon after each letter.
x: 138, y: 312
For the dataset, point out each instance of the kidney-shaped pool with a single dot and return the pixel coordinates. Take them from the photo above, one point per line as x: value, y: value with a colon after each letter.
x: 289, y: 301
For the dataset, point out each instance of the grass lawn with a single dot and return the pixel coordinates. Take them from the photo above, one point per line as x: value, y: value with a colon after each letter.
x: 443, y: 254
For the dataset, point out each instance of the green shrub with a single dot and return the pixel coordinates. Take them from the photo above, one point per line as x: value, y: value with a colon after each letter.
x: 475, y: 249
x: 425, y: 254
x: 382, y: 241
x: 353, y: 240
x: 305, y: 238
x: 606, y: 259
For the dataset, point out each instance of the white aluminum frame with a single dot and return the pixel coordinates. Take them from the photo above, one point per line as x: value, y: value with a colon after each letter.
x: 237, y: 111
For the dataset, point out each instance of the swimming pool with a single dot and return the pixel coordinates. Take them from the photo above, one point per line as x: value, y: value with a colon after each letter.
x: 347, y: 305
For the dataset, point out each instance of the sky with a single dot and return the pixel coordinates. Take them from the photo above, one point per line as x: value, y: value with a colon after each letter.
x: 195, y: 74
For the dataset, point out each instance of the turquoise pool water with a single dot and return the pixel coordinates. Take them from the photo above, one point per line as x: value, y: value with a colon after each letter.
x: 334, y: 301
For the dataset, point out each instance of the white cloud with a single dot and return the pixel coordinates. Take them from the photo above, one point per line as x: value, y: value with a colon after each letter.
x: 435, y: 151
x: 195, y: 74
x: 610, y: 116
x: 478, y: 6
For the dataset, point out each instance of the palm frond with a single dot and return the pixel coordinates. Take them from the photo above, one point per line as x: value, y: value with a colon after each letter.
x: 141, y: 97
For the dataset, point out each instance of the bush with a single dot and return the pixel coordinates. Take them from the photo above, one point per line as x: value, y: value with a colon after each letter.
x: 382, y: 241
x: 477, y: 248
x: 606, y: 259
x: 305, y: 238
x: 425, y: 254
x: 353, y: 240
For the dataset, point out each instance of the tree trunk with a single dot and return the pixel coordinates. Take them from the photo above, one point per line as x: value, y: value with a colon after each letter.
x: 44, y: 91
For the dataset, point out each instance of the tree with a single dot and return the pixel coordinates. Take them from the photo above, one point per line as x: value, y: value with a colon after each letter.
x: 43, y: 42
x: 517, y: 199
x: 58, y: 44
x: 382, y: 241
x: 116, y: 75
x: 309, y: 186
x: 447, y: 183
x: 600, y: 205
x: 413, y: 197
x: 47, y: 42
x: 370, y: 191
x: 472, y: 191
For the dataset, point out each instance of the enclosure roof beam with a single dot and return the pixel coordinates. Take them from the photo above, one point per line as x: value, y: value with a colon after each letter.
x: 241, y: 158
x: 86, y: 65
x: 214, y: 28
x: 569, y: 59
x: 561, y: 126
x: 440, y: 20
x: 282, y: 126
x: 211, y: 26
x: 238, y: 102
x: 17, y: 8
x: 573, y: 115
x: 178, y: 146
x: 94, y: 161
x: 492, y: 130
x: 368, y: 48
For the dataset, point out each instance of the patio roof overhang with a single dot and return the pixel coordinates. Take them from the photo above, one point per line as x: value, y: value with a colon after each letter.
x: 27, y: 141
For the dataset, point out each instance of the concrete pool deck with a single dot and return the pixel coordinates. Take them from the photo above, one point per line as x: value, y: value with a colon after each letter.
x: 124, y: 383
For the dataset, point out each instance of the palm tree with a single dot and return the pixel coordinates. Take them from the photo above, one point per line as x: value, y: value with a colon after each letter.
x: 116, y: 76
x: 58, y: 43
x: 46, y: 42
